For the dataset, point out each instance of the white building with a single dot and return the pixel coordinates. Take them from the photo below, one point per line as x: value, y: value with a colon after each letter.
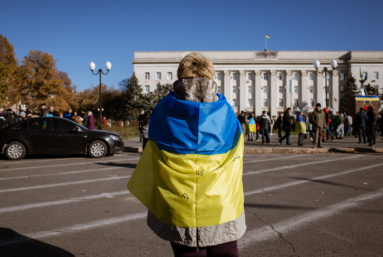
x: 269, y: 80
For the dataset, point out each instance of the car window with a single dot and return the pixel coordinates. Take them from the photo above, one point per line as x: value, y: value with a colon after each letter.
x: 23, y: 125
x: 38, y: 124
x: 63, y: 125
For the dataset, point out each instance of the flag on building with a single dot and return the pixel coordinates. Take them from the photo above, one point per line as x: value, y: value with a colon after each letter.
x: 190, y: 173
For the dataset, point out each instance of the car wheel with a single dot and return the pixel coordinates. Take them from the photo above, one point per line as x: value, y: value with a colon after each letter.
x: 97, y: 149
x: 15, y: 151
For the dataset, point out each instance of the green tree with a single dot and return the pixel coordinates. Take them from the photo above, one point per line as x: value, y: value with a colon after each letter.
x: 374, y: 90
x: 351, y: 89
x: 8, y: 70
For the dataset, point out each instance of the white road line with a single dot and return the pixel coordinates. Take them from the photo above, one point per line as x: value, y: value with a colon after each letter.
x: 294, y: 183
x: 52, y: 203
x: 267, y: 232
x: 299, y: 165
x: 74, y: 228
x: 273, y: 159
x: 68, y: 164
x: 61, y: 184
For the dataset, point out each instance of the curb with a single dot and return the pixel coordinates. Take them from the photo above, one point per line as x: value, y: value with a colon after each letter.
x: 132, y: 149
x: 311, y: 150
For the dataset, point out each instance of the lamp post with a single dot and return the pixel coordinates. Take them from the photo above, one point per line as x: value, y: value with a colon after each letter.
x: 92, y: 66
x: 334, y: 64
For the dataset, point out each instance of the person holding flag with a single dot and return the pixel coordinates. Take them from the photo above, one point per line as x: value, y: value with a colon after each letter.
x: 190, y: 174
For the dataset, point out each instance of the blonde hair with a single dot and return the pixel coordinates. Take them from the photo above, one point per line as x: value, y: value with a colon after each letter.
x: 195, y: 65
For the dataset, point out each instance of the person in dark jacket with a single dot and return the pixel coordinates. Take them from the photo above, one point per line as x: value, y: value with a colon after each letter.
x: 360, y: 125
x: 53, y: 112
x: 265, y: 121
x: 372, y: 125
x: 286, y: 126
x: 279, y: 124
x: 68, y: 114
x: 145, y: 129
x: 85, y: 119
x: 242, y: 120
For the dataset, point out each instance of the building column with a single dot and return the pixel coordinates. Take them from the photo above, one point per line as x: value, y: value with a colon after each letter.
x: 242, y: 103
x: 334, y: 100
x: 227, y: 88
x: 257, y: 93
x: 288, y: 101
x: 304, y: 91
x: 319, y: 95
x: 273, y: 94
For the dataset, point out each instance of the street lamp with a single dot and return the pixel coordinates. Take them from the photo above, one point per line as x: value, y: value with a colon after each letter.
x: 92, y: 66
x: 334, y: 64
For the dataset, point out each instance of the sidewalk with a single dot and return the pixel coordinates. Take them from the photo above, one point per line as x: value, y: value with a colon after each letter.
x: 345, y: 145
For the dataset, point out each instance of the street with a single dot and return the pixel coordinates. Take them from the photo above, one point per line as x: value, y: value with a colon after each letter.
x: 296, y: 205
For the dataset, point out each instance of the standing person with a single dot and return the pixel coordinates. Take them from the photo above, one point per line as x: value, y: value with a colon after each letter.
x: 76, y: 118
x: 43, y: 106
x: 279, y: 123
x: 242, y: 120
x: 319, y: 124
x: 68, y: 114
x: 104, y: 121
x: 286, y: 126
x: 349, y: 124
x: 340, y: 127
x: 328, y: 121
x: 84, y: 116
x: 372, y: 125
x: 251, y: 128
x: 193, y: 192
x: 335, y: 123
x: 53, y: 112
x: 145, y: 129
x: 300, y: 128
x: 90, y: 121
x: 381, y: 125
x: 360, y: 125
x: 265, y: 121
x: 258, y: 127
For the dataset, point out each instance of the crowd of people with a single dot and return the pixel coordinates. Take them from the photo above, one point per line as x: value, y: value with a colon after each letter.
x: 317, y: 126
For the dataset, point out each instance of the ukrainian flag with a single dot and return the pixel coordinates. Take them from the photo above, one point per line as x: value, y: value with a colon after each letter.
x: 251, y: 126
x: 190, y: 174
x: 361, y: 74
x: 267, y: 36
x: 300, y: 125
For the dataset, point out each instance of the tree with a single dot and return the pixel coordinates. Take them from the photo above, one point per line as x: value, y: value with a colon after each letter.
x: 374, y: 90
x: 8, y: 69
x: 351, y: 89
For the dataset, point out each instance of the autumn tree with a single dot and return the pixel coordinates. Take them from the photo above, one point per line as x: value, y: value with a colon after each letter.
x: 8, y: 70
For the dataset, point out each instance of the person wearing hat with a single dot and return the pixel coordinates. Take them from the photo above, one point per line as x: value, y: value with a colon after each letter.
x: 319, y: 124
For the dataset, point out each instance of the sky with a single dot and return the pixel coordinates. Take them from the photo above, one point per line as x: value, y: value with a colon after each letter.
x: 81, y: 31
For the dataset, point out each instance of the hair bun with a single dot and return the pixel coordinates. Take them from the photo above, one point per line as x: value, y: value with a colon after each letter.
x: 195, y: 65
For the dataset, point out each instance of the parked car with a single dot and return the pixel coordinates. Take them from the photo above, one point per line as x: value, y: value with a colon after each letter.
x: 54, y: 135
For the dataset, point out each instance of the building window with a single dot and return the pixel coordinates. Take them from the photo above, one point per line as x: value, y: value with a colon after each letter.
x: 296, y: 102
x: 265, y: 102
x: 281, y: 90
x: 250, y: 103
x: 341, y: 89
x: 147, y: 89
x: 376, y: 75
x: 280, y: 76
x: 312, y: 90
x: 235, y: 103
x: 220, y: 90
x: 341, y: 76
x: 280, y: 102
x: 158, y: 75
x: 266, y: 76
x: 219, y: 76
x: 235, y: 89
x: 170, y: 76
x: 296, y: 76
x: 250, y: 88
x: 235, y: 76
x: 147, y: 75
x: 249, y: 76
x: 312, y: 76
x: 311, y: 103
x: 296, y: 90
x: 266, y: 89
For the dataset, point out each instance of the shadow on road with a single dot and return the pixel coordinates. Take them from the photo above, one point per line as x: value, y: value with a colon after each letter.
x: 27, y: 247
x: 332, y: 183
x: 122, y: 165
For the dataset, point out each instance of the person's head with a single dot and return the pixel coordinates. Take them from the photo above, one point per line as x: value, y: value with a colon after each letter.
x: 9, y: 110
x: 75, y: 113
x: 242, y: 112
x: 195, y: 65
x: 69, y: 110
x: 361, y: 109
x: 263, y: 112
x: 318, y: 106
x: 43, y: 106
x: 299, y: 113
x: 370, y: 108
x: 288, y: 110
x: 142, y: 112
x: 51, y: 108
x: 45, y: 111
x: 90, y: 113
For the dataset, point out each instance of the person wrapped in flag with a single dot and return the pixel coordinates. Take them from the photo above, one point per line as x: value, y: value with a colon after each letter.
x: 190, y: 173
x: 300, y: 127
x: 251, y: 128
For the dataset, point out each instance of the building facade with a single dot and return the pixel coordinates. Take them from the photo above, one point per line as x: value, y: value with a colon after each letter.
x: 269, y: 80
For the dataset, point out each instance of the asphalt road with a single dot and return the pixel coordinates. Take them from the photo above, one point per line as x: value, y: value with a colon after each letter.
x: 296, y: 205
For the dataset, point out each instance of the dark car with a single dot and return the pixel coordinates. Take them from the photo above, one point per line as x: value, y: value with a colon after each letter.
x: 54, y: 135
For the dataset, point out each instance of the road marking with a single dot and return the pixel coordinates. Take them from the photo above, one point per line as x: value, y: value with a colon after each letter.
x: 299, y: 165
x: 68, y: 164
x: 273, y: 159
x: 52, y: 203
x: 74, y: 228
x: 267, y: 232
x: 294, y: 183
x: 61, y: 184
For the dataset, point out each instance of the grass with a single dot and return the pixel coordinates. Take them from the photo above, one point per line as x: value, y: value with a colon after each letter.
x: 126, y: 132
